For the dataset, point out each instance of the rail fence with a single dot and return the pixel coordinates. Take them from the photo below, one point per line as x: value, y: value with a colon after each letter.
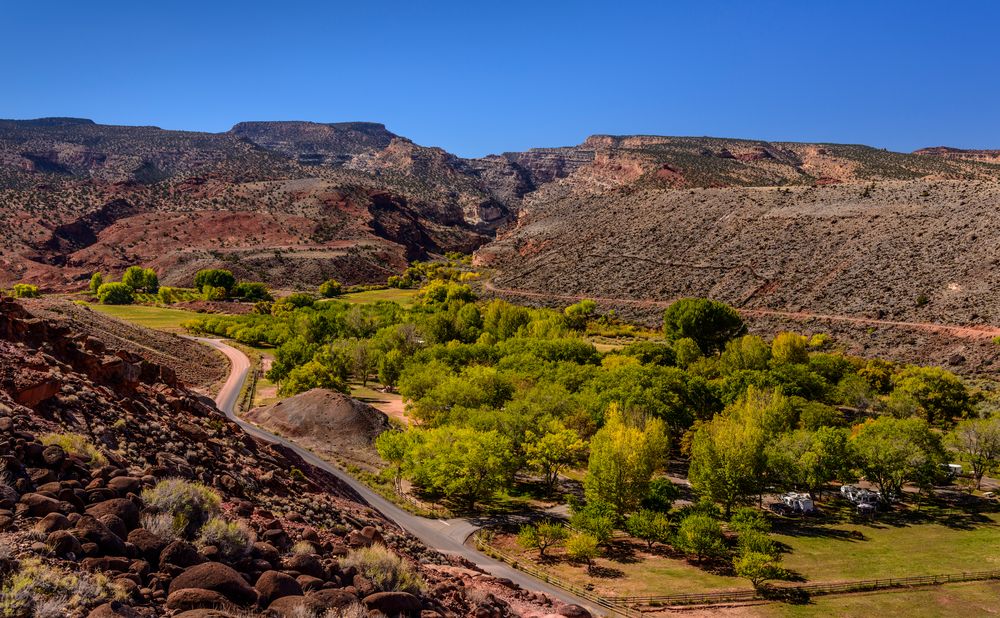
x: 246, y: 401
x: 602, y: 602
x: 628, y: 605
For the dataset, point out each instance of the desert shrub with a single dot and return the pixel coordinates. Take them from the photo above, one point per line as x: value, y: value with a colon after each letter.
x: 76, y: 445
x: 25, y: 290
x: 115, y: 293
x: 303, y: 548
x: 233, y: 539
x: 160, y: 524
x: 354, y: 610
x: 387, y: 571
x: 47, y: 591
x: 330, y: 288
x: 190, y: 504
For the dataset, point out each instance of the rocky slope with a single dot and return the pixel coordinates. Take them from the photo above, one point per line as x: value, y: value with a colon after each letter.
x: 289, y: 203
x: 87, y: 526
x: 294, y: 203
x: 919, y: 250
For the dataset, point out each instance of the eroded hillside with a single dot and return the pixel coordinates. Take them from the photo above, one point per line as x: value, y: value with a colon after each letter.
x: 925, y: 250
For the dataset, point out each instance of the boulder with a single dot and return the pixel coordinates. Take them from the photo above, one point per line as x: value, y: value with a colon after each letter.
x: 294, y: 607
x: 180, y: 553
x: 306, y: 564
x: 122, y: 508
x: 114, y: 609
x: 573, y: 611
x: 37, y: 505
x: 393, y: 603
x: 149, y: 545
x: 196, y: 598
x: 64, y: 544
x: 52, y: 522
x: 333, y: 598
x: 273, y: 585
x: 217, y: 577
x: 90, y: 530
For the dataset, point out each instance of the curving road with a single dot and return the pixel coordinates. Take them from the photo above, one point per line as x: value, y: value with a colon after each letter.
x: 446, y: 536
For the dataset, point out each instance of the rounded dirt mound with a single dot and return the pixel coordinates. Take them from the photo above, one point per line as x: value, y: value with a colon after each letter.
x: 327, y: 421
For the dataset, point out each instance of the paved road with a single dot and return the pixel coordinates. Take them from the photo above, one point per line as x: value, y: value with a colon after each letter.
x: 446, y: 536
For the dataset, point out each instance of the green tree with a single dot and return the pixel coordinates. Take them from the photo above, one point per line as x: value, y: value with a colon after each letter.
x: 757, y: 567
x: 25, y: 290
x: 710, y: 323
x: 141, y: 279
x: 328, y: 369
x: 251, y: 291
x: 789, y: 348
x: 940, y: 394
x: 596, y: 519
x: 461, y: 464
x: 661, y: 495
x: 748, y: 353
x: 330, y: 288
x: 583, y: 547
x: 95, y: 282
x: 577, y: 315
x: 891, y: 452
x: 700, y: 536
x: 390, y: 366
x: 393, y: 447
x: 115, y: 293
x: 687, y: 352
x: 728, y: 459
x: 553, y: 449
x: 649, y: 526
x: 215, y: 277
x: 978, y: 441
x: 623, y: 457
x: 542, y: 536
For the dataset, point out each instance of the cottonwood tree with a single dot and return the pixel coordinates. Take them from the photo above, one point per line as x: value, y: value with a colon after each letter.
x: 892, y: 452
x: 459, y: 463
x: 623, y: 456
x: 552, y: 450
x: 939, y: 394
x: 728, y: 453
x: 978, y: 440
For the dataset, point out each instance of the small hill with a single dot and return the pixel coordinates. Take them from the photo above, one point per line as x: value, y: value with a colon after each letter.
x: 326, y: 421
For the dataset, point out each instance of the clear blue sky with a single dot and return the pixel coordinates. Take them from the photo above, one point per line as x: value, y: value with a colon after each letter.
x: 477, y: 77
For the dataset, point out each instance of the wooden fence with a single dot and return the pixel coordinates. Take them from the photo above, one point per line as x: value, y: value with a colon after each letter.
x: 628, y: 605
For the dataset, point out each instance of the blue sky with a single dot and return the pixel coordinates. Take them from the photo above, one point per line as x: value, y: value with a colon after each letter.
x: 477, y: 78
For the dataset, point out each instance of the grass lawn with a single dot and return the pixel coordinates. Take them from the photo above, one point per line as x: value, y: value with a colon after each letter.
x: 159, y: 318
x: 626, y: 570
x: 396, y: 295
x: 950, y: 541
x: 966, y: 599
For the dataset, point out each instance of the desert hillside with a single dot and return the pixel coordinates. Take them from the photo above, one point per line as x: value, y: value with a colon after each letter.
x: 920, y: 250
